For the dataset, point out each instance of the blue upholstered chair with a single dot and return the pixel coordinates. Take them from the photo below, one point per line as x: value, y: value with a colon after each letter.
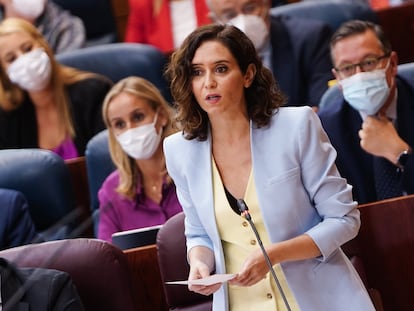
x: 120, y: 60
x: 332, y: 12
x: 333, y: 93
x: 44, y: 179
x: 98, y: 165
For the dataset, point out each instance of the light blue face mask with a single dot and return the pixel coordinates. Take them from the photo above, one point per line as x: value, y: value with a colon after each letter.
x: 366, y: 91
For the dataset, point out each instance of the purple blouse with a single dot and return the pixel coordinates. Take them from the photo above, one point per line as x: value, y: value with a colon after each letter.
x: 67, y: 149
x: 118, y: 213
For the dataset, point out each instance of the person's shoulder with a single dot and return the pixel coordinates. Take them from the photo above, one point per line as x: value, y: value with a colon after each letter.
x: 406, y: 81
x: 93, y: 81
x: 9, y: 197
x: 178, y: 147
x: 108, y: 188
x: 175, y: 138
x: 291, y: 117
x: 58, y: 15
x: 92, y: 88
x: 294, y: 112
x: 300, y: 28
x: 294, y: 22
x: 334, y: 106
x: 112, y: 180
x: 59, y: 286
x: 56, y: 19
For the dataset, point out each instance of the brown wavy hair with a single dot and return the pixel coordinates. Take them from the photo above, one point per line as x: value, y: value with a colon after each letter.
x: 263, y: 97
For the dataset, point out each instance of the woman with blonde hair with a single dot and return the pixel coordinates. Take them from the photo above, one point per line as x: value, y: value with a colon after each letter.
x: 139, y: 193
x: 44, y: 104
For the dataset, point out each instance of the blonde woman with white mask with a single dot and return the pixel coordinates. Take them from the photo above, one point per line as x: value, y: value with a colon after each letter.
x: 42, y: 103
x: 139, y: 193
x: 63, y: 32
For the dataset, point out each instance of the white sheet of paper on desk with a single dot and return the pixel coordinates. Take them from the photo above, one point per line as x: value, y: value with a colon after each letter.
x: 210, y: 280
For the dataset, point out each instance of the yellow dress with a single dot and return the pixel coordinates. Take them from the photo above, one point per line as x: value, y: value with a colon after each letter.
x: 238, y: 242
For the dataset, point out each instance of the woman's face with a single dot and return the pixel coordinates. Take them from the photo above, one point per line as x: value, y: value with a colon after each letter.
x: 126, y: 111
x: 14, y: 45
x: 217, y: 81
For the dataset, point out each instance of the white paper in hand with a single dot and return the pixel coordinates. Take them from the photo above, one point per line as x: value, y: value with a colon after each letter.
x: 210, y: 280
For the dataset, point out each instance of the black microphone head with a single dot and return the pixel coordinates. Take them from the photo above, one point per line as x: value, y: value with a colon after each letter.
x: 232, y: 201
x: 242, y: 206
x: 244, y: 210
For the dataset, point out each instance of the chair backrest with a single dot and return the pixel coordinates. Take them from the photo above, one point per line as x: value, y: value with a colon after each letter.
x: 172, y: 260
x: 120, y: 60
x: 332, y: 12
x: 97, y: 16
x: 98, y: 269
x: 332, y: 94
x: 98, y: 166
x: 406, y: 71
x: 43, y: 178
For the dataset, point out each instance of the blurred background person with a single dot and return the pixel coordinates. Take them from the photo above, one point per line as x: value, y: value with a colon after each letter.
x: 164, y: 23
x: 42, y: 103
x: 370, y: 126
x: 139, y: 193
x: 296, y: 50
x: 63, y: 31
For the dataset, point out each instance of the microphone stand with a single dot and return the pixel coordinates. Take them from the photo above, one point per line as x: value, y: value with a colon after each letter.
x: 244, y: 211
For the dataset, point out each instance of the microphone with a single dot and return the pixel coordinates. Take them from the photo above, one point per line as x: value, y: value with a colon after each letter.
x: 243, y: 210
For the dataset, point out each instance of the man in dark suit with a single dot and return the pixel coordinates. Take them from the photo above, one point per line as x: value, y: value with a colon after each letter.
x: 37, y: 289
x: 371, y: 125
x: 295, y: 49
x: 16, y: 225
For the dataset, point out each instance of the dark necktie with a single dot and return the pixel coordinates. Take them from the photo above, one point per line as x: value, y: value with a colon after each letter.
x: 388, y: 181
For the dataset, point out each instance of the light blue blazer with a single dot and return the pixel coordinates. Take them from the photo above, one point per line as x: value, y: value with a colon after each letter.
x: 299, y: 191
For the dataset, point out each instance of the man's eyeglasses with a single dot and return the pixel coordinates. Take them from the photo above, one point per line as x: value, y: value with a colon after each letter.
x: 368, y: 64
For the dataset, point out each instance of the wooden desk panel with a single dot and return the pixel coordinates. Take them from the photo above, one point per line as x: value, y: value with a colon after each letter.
x: 79, y: 181
x: 386, y: 241
x: 398, y: 25
x: 146, y: 278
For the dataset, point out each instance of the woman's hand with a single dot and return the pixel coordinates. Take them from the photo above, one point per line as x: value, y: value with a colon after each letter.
x: 255, y: 267
x: 199, y: 270
x: 201, y: 265
x: 254, y: 270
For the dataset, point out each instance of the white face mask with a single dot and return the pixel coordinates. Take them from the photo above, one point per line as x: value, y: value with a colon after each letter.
x: 254, y: 27
x: 31, y: 71
x: 140, y: 142
x: 30, y: 9
x: 366, y: 91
